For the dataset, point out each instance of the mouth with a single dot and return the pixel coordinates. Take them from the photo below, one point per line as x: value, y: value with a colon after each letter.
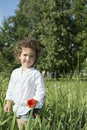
x: 27, y: 62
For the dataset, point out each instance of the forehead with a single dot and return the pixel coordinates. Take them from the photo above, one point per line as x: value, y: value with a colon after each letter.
x: 27, y: 50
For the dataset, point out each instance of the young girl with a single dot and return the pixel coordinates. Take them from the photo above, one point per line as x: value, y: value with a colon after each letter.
x: 26, y: 85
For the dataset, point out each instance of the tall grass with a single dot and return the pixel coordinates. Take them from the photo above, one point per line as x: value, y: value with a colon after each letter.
x: 65, y: 108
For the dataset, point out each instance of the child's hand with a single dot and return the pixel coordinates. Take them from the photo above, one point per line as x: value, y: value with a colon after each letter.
x: 7, y: 108
x: 31, y: 103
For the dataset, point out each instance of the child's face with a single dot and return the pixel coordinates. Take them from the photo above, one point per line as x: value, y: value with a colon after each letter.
x: 27, y: 57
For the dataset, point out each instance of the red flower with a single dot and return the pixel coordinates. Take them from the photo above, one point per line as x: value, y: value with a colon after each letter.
x: 31, y: 103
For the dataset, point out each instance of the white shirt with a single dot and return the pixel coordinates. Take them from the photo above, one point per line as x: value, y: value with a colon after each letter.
x: 25, y: 86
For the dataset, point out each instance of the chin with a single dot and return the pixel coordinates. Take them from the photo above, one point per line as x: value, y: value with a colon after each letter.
x: 29, y: 66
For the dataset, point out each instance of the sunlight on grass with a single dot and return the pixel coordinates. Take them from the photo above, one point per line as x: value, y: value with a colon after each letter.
x: 65, y: 108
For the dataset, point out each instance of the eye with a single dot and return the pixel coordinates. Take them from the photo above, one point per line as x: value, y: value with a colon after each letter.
x: 25, y: 55
x: 31, y: 56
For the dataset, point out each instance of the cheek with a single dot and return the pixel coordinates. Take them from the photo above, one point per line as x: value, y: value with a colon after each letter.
x: 22, y: 59
x: 34, y: 60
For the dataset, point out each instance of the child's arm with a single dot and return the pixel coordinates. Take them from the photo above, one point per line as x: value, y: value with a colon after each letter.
x: 7, y: 106
x: 40, y: 89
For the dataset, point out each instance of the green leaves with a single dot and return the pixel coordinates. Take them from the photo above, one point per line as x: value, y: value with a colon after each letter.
x: 59, y: 26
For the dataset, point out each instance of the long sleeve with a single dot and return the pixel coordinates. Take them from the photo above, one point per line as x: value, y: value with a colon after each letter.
x: 39, y: 89
x: 10, y: 88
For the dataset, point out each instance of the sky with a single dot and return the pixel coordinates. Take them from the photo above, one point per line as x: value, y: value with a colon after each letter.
x: 7, y: 8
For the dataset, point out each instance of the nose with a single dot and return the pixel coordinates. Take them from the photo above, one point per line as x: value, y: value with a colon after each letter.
x: 28, y: 57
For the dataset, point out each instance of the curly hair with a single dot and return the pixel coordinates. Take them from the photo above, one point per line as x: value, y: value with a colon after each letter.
x: 26, y: 43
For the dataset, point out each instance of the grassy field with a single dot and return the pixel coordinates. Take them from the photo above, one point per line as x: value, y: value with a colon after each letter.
x: 65, y: 107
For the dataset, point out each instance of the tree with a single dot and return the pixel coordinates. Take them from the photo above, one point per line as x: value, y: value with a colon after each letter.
x: 60, y: 28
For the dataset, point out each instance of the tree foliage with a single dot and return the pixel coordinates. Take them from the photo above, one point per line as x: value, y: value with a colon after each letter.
x: 60, y: 28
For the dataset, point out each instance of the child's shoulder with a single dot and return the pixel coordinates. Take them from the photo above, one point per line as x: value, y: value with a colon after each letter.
x: 16, y: 70
x: 37, y: 72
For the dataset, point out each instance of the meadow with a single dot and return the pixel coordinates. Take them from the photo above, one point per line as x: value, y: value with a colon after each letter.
x: 65, y: 107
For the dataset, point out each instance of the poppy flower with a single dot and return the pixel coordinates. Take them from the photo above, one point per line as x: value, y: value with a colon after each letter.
x: 31, y: 103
